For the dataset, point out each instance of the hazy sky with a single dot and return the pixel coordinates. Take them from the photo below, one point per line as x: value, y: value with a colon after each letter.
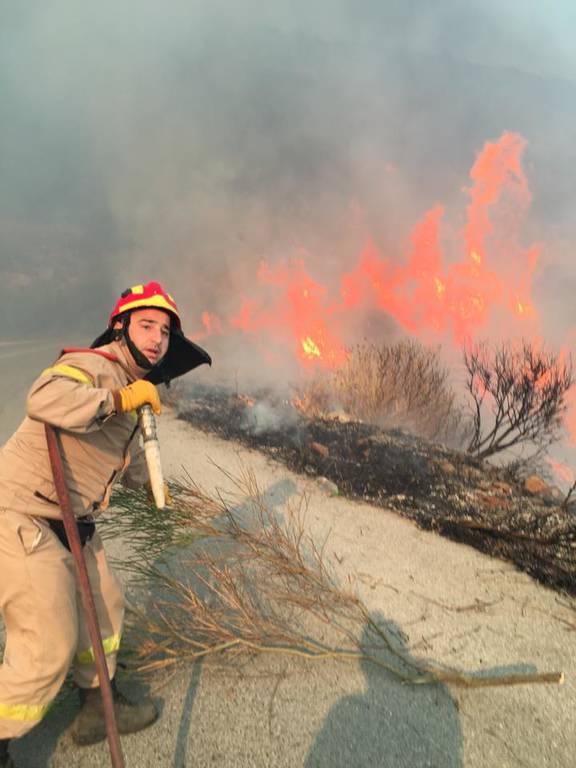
x: 188, y: 140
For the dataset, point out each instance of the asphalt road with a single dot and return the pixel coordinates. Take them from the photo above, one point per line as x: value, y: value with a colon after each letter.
x: 20, y: 364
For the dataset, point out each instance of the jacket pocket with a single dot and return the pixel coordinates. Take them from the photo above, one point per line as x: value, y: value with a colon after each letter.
x: 28, y: 530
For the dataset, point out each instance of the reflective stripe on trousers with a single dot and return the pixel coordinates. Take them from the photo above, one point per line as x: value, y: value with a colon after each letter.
x: 111, y: 645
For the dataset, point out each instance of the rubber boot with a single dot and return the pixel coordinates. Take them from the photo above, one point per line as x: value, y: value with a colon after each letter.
x: 5, y: 759
x: 89, y: 727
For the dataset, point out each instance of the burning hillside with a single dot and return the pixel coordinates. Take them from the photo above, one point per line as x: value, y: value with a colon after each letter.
x: 464, y: 277
x: 458, y: 280
x: 490, y: 508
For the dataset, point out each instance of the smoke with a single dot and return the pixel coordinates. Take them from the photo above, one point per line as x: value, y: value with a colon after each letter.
x: 266, y: 416
x: 185, y: 142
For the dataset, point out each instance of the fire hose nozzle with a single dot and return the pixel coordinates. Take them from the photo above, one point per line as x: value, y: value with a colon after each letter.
x: 152, y: 453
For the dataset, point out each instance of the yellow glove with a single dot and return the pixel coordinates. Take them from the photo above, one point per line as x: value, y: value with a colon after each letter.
x: 167, y: 495
x: 139, y: 393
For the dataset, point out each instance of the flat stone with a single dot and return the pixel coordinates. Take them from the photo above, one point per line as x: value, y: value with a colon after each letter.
x: 321, y: 449
x: 328, y: 486
x: 536, y: 486
x: 446, y: 466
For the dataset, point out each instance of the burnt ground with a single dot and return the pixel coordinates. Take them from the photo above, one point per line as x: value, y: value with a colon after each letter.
x: 440, y: 489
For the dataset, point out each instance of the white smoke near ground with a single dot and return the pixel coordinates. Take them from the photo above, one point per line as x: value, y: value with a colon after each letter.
x: 264, y: 416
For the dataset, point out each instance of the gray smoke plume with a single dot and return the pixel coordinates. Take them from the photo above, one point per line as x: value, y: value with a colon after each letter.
x: 186, y: 141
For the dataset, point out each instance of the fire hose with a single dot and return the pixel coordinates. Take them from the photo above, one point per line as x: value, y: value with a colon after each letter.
x: 152, y: 451
x: 87, y: 597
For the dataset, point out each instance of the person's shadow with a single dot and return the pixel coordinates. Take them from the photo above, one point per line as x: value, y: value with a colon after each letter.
x: 274, y: 497
x: 392, y: 724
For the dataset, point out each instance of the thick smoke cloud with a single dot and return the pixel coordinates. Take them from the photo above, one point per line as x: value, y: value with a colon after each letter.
x: 186, y: 142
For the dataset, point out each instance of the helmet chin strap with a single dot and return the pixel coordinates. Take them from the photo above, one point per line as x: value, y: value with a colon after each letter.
x: 140, y: 359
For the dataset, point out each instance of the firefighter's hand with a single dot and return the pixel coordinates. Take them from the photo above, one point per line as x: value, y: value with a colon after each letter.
x: 167, y: 495
x: 139, y: 393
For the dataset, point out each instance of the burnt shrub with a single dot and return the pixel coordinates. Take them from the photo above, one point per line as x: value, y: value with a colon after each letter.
x: 402, y: 385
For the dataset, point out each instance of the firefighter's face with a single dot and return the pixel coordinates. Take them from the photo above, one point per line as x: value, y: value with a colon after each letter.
x: 149, y: 330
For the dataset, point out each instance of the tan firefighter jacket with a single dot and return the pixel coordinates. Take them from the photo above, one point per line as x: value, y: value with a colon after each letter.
x: 98, y: 446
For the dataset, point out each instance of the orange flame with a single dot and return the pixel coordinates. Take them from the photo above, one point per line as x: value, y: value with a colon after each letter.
x: 292, y: 308
x: 563, y: 472
x: 480, y: 287
x: 211, y: 323
x: 310, y: 348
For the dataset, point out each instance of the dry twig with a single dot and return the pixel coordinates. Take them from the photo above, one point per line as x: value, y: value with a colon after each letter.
x: 255, y: 584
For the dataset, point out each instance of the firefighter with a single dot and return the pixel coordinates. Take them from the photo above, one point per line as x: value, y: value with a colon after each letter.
x: 90, y: 396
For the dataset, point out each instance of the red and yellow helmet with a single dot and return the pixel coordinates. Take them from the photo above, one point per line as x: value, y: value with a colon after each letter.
x: 144, y: 296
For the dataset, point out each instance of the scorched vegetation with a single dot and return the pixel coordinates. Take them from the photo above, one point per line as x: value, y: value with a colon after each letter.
x: 354, y: 431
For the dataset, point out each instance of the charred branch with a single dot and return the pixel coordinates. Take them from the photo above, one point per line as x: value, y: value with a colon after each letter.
x: 520, y: 391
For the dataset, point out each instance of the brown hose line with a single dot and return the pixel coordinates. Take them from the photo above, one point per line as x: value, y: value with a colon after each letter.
x: 87, y: 597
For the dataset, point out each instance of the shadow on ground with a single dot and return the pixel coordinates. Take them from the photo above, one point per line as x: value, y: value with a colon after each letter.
x: 37, y: 748
x: 391, y: 724
x: 274, y: 497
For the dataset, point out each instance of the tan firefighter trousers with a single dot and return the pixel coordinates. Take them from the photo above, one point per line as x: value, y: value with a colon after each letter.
x: 45, y: 627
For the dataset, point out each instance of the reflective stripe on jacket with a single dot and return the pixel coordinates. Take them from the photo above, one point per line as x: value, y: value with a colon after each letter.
x: 99, y: 447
